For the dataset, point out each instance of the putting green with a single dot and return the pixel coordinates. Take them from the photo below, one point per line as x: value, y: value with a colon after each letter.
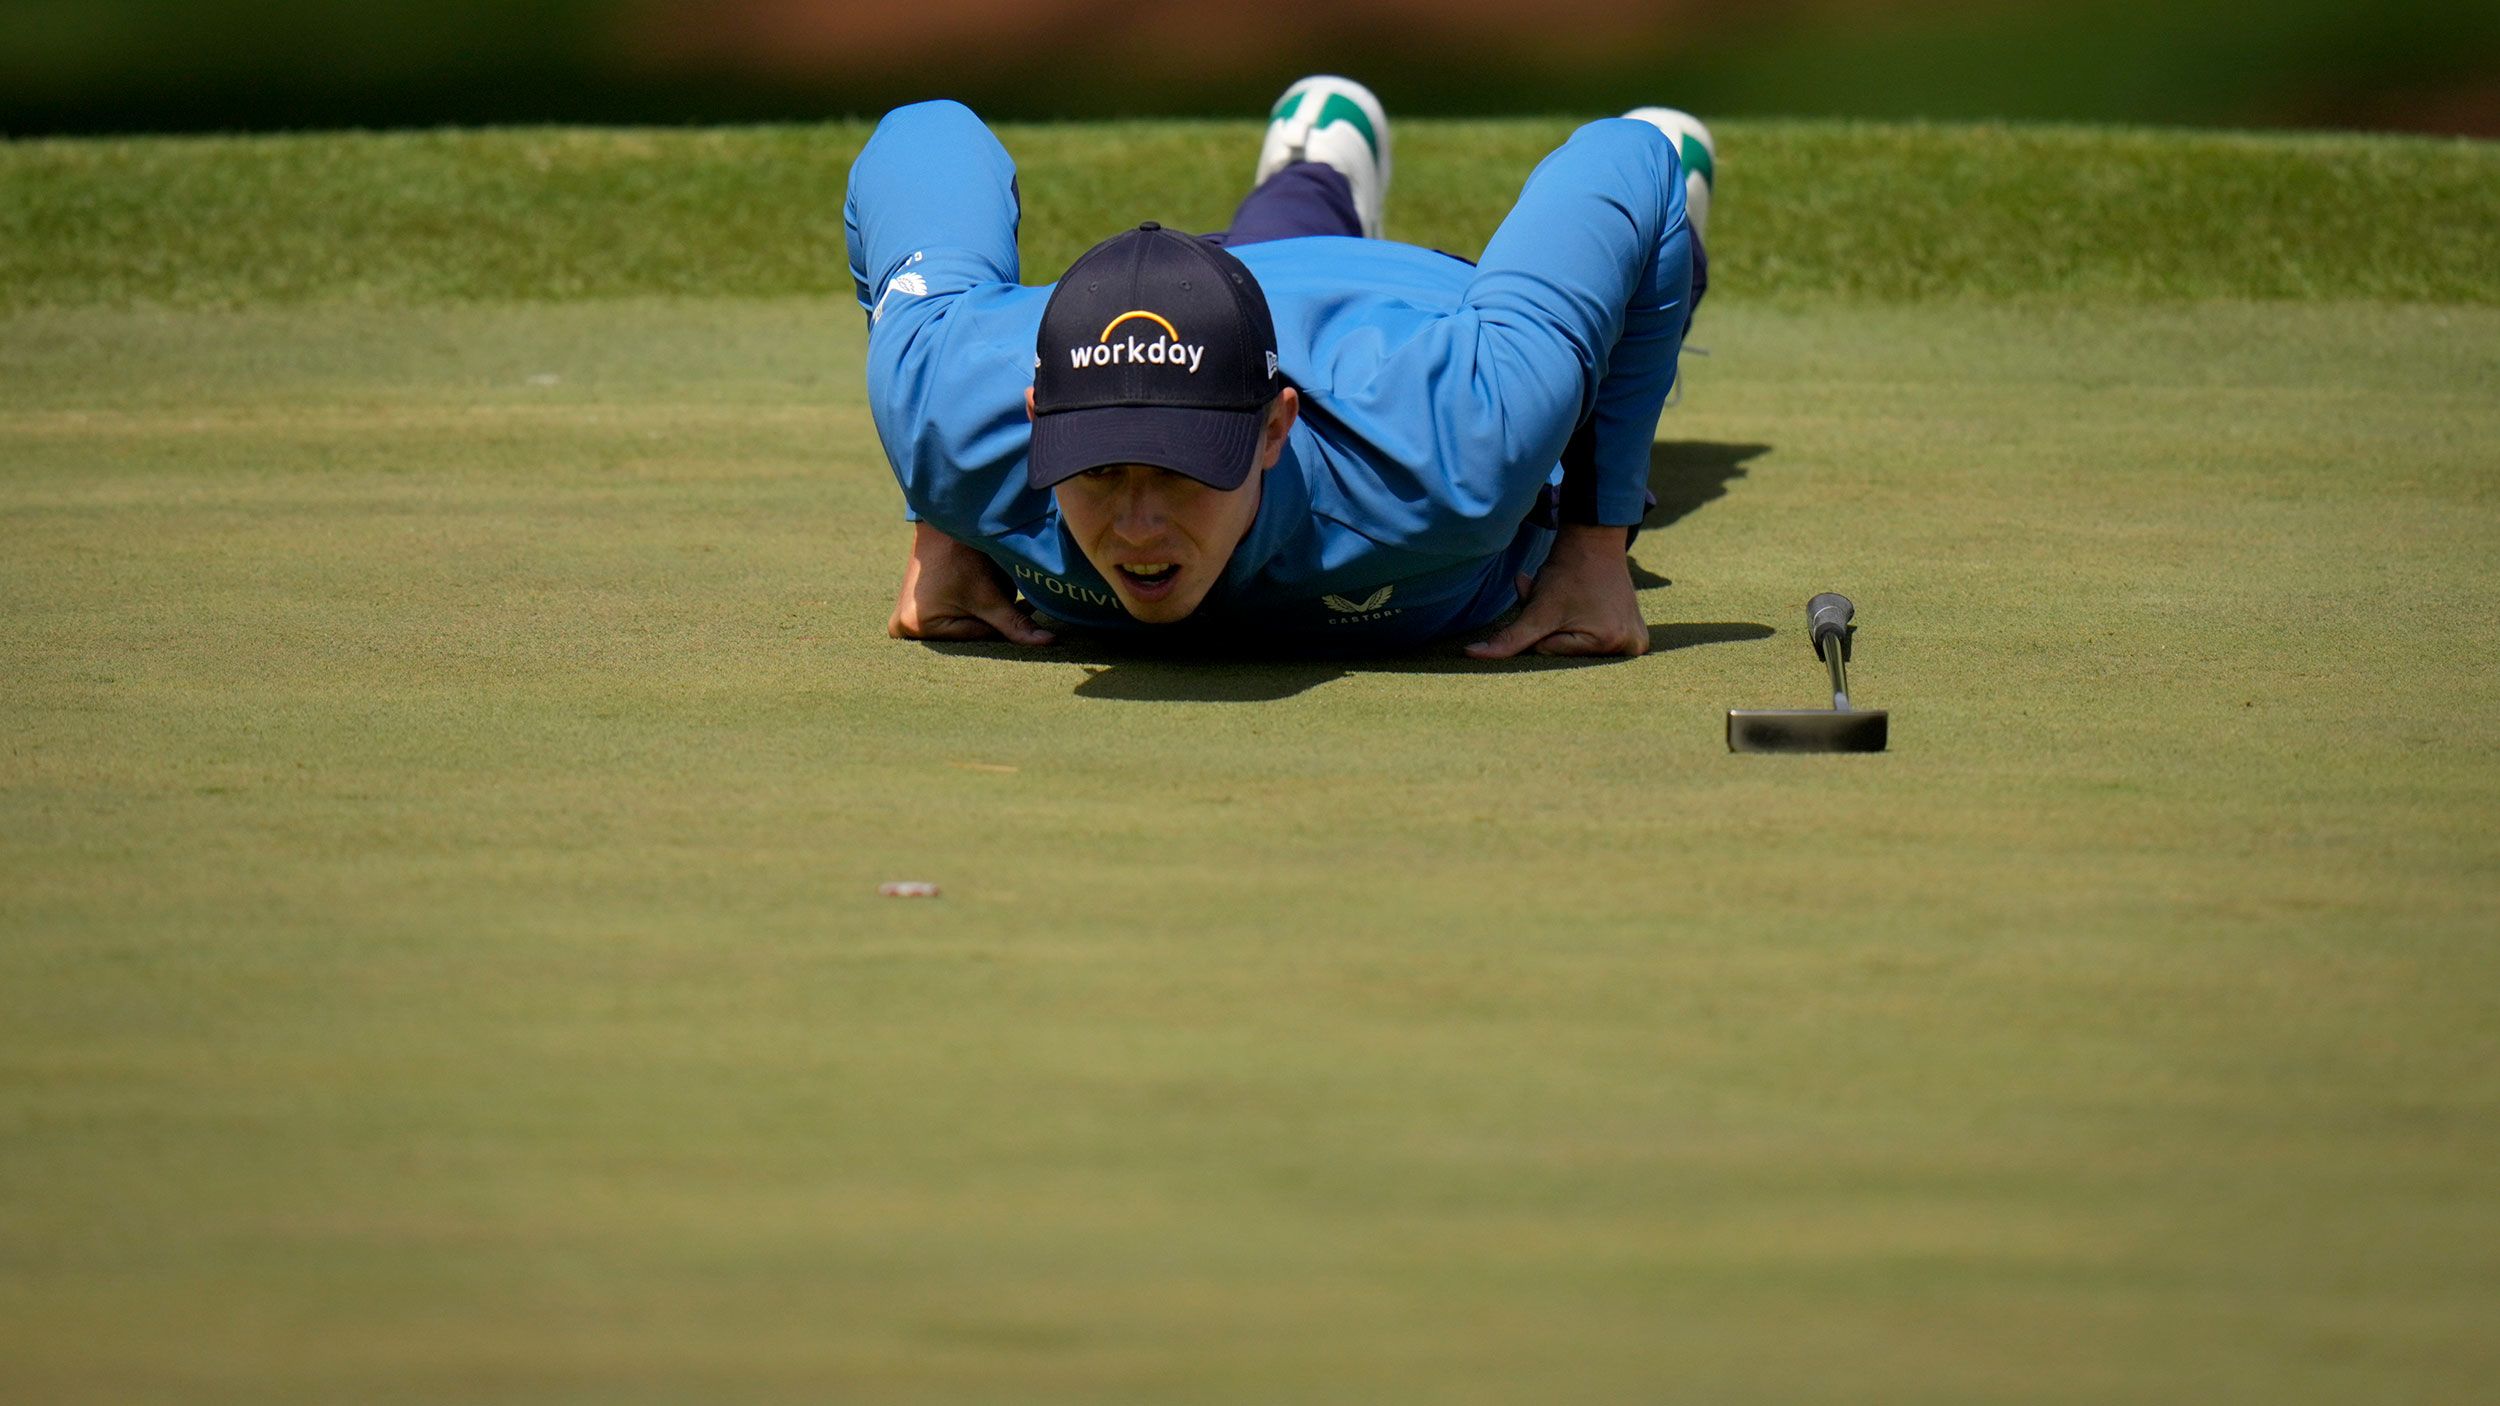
x: 453, y: 751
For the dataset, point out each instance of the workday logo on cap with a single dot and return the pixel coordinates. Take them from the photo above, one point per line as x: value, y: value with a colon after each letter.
x: 1155, y: 348
x: 1169, y: 351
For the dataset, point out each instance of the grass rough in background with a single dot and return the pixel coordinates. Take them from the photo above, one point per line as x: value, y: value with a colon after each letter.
x: 1859, y: 209
x: 451, y: 752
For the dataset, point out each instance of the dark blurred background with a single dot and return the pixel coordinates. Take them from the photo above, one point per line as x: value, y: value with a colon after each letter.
x: 207, y: 65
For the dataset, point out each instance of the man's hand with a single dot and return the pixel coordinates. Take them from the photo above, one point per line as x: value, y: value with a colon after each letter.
x: 1581, y: 603
x: 952, y: 592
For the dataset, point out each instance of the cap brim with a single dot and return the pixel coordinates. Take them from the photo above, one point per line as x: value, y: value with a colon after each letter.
x: 1214, y: 447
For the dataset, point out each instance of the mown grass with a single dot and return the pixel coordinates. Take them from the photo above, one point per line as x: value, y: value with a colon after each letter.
x: 1867, y: 210
x: 452, y: 750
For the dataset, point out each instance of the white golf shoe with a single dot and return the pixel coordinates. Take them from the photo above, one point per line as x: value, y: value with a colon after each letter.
x: 1338, y: 123
x: 1699, y: 153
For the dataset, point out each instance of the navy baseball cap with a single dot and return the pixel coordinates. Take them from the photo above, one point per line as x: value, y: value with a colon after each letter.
x: 1156, y: 348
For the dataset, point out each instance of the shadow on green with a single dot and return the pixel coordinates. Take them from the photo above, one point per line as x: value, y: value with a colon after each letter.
x: 1146, y: 673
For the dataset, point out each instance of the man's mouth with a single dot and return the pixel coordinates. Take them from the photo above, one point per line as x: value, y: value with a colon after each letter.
x: 1150, y: 580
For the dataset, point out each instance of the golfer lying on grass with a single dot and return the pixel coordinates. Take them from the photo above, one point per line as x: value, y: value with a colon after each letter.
x: 1288, y: 434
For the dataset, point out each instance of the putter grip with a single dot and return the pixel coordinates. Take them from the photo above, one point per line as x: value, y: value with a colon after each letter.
x: 1827, y: 615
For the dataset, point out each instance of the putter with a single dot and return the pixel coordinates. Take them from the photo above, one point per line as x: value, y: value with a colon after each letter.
x: 1837, y: 729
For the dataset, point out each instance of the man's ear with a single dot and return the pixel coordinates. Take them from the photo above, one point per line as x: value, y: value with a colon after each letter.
x: 1028, y: 402
x: 1281, y: 413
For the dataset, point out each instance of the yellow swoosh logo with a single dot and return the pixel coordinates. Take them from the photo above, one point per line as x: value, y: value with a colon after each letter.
x: 1155, y: 318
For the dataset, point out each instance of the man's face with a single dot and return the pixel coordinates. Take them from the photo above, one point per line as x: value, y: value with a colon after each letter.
x: 1163, y: 539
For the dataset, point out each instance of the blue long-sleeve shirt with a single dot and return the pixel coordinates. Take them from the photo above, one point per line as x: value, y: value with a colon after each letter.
x: 1437, y: 396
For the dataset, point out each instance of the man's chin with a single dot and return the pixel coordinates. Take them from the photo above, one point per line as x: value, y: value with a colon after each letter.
x: 1168, y: 609
x: 1160, y: 612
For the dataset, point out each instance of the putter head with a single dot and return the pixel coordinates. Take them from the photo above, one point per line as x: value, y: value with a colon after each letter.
x: 1806, y: 730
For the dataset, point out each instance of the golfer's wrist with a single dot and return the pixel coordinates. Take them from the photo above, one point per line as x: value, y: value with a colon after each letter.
x: 927, y: 542
x: 1592, y: 537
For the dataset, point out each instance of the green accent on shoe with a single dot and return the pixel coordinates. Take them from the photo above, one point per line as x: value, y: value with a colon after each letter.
x: 1285, y: 107
x: 1697, y: 158
x: 1341, y: 106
